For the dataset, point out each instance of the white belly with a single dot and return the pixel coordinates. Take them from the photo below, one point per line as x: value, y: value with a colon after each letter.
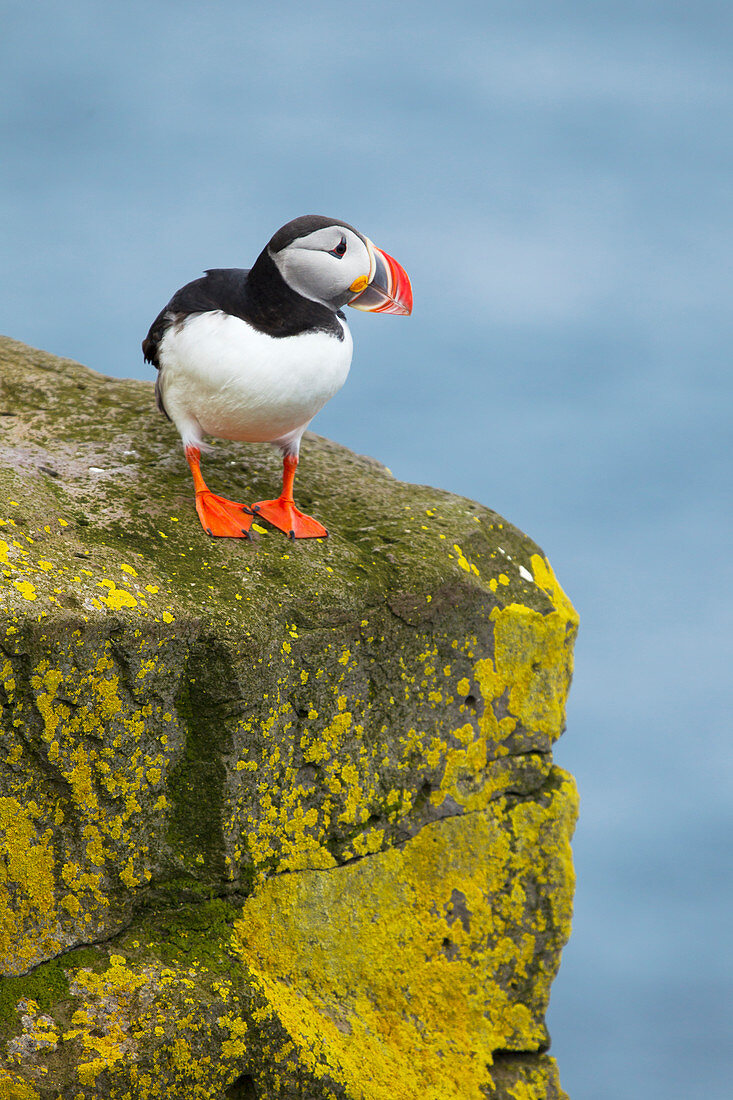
x: 237, y: 383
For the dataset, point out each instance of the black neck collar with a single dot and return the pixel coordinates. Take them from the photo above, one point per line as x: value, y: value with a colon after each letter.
x: 275, y: 308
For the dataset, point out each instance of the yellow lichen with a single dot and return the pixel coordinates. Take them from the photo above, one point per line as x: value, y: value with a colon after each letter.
x: 404, y: 952
x: 26, y: 589
x: 117, y: 598
x: 28, y: 928
x: 547, y: 581
x: 13, y: 1088
x: 92, y: 732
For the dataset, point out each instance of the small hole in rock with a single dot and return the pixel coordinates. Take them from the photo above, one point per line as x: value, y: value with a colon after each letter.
x: 242, y: 1089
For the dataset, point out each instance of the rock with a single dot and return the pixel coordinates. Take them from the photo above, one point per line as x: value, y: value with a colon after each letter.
x: 278, y: 819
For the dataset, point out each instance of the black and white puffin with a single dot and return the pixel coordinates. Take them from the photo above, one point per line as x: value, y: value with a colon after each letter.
x: 252, y: 355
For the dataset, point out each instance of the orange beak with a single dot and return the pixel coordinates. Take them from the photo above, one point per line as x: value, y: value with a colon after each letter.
x: 386, y: 289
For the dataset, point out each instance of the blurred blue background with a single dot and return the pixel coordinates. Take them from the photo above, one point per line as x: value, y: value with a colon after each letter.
x: 556, y: 178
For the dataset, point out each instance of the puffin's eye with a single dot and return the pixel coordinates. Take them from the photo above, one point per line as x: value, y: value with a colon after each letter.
x: 340, y: 248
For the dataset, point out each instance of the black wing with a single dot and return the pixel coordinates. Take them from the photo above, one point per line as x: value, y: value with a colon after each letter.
x: 221, y: 288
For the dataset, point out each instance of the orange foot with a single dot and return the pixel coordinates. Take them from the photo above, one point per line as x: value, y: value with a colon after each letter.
x: 222, y: 517
x: 286, y: 517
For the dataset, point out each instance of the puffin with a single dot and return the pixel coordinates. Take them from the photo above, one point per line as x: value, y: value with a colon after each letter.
x: 253, y: 354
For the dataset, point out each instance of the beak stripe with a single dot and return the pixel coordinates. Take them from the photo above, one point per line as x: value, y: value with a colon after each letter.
x: 388, y: 289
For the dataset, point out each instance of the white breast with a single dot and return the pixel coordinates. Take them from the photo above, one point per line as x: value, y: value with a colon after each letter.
x: 231, y: 381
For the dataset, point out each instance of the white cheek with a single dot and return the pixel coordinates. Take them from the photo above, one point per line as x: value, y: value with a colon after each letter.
x: 320, y: 276
x: 355, y: 264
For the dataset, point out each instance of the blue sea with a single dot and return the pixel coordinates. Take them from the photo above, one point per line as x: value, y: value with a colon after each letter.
x: 556, y: 178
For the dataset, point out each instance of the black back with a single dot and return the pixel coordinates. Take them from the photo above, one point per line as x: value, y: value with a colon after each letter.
x: 260, y: 296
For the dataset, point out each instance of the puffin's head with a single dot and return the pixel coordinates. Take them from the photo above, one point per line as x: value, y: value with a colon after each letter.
x: 332, y: 263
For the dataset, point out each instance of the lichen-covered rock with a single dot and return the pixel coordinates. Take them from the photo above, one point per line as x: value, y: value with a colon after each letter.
x: 278, y: 819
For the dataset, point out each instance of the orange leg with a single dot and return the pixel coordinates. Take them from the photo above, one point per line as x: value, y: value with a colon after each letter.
x: 283, y: 514
x: 218, y: 516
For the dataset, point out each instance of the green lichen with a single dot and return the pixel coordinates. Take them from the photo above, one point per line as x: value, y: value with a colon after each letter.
x: 168, y: 990
x: 45, y: 986
x: 197, y: 783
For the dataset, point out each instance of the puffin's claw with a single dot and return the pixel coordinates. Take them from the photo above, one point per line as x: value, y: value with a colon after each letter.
x: 286, y: 517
